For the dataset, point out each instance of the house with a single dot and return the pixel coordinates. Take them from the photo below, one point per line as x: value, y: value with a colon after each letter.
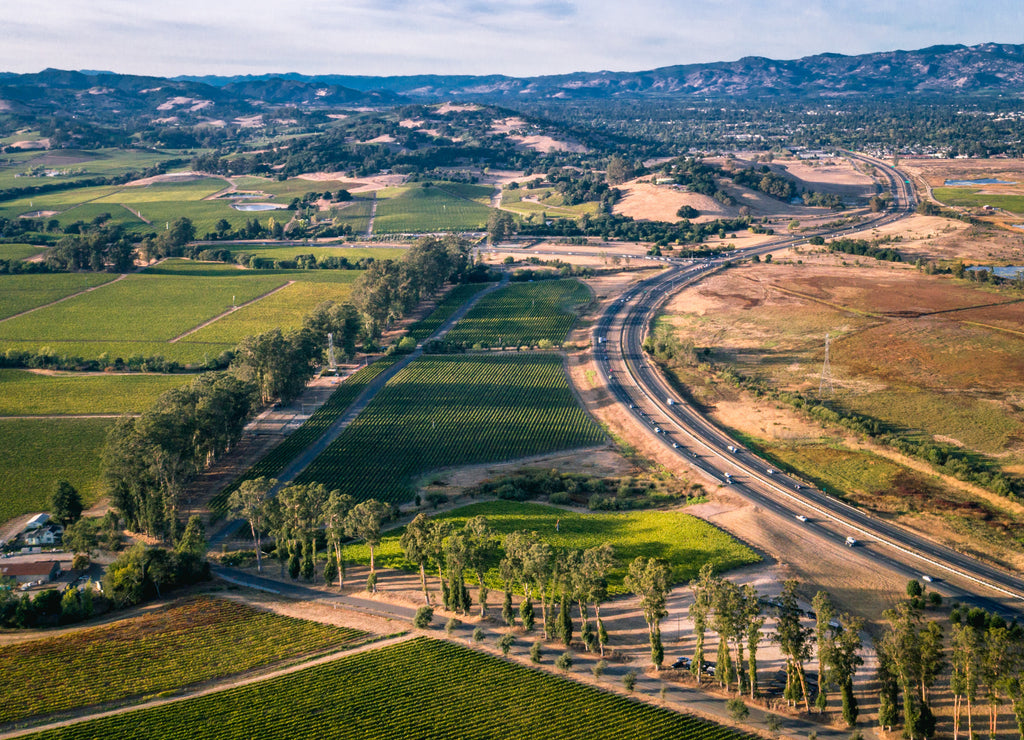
x: 38, y: 570
x: 49, y: 535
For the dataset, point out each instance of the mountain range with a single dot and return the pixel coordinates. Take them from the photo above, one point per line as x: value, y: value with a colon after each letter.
x: 938, y: 70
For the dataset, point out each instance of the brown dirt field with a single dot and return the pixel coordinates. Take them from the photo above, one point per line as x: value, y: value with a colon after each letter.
x: 829, y: 176
x: 936, y: 171
x: 544, y: 144
x: 647, y: 201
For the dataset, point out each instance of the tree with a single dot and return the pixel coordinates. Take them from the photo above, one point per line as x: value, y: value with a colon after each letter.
x: 592, y: 585
x: 651, y: 580
x: 505, y: 643
x: 481, y: 553
x: 618, y: 171
x: 364, y: 522
x: 416, y: 544
x: 738, y: 709
x: 839, y: 644
x: 794, y: 641
x: 193, y: 539
x: 499, y: 226
x: 249, y: 502
x: 66, y: 504
x: 564, y: 662
x: 424, y: 616
x: 754, y: 621
x: 335, y: 516
x: 703, y: 594
x: 536, y: 650
x: 81, y: 537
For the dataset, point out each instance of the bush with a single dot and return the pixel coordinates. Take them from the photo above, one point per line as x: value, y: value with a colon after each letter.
x: 505, y: 643
x: 629, y: 680
x: 564, y: 662
x: 599, y: 668
x: 424, y: 616
x: 451, y: 625
x: 535, y: 651
x: 738, y: 709
x: 478, y: 635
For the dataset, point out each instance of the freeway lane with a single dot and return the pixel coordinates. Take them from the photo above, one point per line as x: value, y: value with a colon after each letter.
x: 635, y: 383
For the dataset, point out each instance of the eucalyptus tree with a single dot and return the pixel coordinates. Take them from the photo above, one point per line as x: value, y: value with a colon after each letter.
x: 651, y: 580
x: 249, y: 501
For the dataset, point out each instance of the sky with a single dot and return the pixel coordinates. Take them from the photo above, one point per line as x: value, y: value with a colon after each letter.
x: 513, y: 37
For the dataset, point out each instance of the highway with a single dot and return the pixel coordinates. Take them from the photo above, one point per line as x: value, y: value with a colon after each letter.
x: 636, y: 384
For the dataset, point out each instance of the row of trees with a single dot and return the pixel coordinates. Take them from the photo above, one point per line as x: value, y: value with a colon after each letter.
x: 738, y: 614
x: 148, y: 460
x: 389, y: 289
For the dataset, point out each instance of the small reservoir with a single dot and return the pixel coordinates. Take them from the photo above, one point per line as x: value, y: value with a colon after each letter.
x: 1011, y: 271
x: 257, y: 206
x: 983, y: 181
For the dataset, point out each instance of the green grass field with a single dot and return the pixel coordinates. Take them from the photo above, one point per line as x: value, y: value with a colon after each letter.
x: 21, y: 292
x: 39, y: 452
x: 543, y: 201
x: 76, y: 164
x: 418, y: 689
x: 352, y: 254
x: 685, y: 541
x: 19, y: 251
x: 974, y: 198
x: 523, y: 314
x: 416, y: 209
x: 23, y: 393
x: 190, y: 641
x: 295, y: 187
x: 449, y: 411
x: 451, y: 303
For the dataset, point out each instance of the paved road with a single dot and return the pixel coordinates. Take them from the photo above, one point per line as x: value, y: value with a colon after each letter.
x: 635, y: 383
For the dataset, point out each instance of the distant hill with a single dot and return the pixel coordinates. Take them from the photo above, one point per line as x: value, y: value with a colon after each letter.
x: 985, y: 68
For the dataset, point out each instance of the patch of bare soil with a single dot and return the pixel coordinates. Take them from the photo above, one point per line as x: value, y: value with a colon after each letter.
x: 170, y: 177
x: 543, y: 144
x: 315, y: 611
x: 837, y: 176
x: 648, y: 201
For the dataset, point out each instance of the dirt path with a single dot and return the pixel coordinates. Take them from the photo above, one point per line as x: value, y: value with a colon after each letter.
x: 67, y: 297
x: 135, y: 213
x: 213, y: 688
x: 229, y: 312
x: 373, y: 215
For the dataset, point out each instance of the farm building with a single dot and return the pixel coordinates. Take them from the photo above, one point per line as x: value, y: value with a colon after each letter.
x: 48, y: 535
x: 37, y: 521
x: 39, y: 570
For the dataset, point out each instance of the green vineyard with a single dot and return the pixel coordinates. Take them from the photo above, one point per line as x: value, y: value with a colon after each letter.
x: 445, y: 308
x: 192, y: 641
x: 418, y: 689
x: 445, y: 411
x: 522, y: 314
x: 271, y: 464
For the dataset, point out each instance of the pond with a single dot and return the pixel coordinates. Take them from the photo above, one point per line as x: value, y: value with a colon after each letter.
x: 983, y: 181
x: 1004, y: 272
x: 257, y: 206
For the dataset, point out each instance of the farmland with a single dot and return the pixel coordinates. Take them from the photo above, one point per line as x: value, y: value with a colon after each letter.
x: 187, y: 642
x: 23, y: 292
x: 75, y: 164
x: 444, y: 411
x: 523, y: 314
x: 138, y: 316
x: 271, y: 464
x: 445, y: 308
x: 352, y: 254
x: 19, y: 251
x: 445, y: 207
x: 24, y: 393
x: 430, y: 689
x: 684, y: 541
x: 976, y: 198
x: 59, y: 449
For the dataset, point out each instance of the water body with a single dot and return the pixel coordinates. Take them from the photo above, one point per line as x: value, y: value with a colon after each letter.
x: 1019, y: 226
x: 257, y: 206
x: 1004, y: 272
x: 983, y: 181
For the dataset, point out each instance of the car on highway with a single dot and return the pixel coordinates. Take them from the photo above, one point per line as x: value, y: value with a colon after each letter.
x: 801, y: 517
x: 657, y: 430
x: 770, y: 471
x: 927, y: 579
x: 851, y: 542
x: 675, y: 445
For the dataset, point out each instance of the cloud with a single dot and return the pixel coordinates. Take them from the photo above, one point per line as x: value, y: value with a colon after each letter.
x: 520, y: 37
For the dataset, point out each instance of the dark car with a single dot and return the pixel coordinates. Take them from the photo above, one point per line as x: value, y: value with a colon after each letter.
x: 682, y: 664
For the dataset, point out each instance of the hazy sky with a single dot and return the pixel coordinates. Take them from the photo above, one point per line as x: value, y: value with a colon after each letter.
x: 515, y: 37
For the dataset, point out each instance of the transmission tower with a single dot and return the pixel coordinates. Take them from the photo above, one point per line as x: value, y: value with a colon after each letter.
x: 826, y: 371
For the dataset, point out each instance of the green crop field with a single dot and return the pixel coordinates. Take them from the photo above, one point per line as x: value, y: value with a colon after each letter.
x: 133, y: 316
x: 420, y: 209
x: 295, y: 187
x: 190, y: 641
x: 19, y: 251
x: 21, y: 292
x: 684, y: 541
x: 24, y: 393
x: 446, y: 411
x: 422, y: 688
x: 974, y: 198
x: 523, y: 314
x: 445, y: 308
x: 352, y: 254
x: 39, y: 452
x: 543, y: 200
x: 72, y: 165
x: 271, y: 464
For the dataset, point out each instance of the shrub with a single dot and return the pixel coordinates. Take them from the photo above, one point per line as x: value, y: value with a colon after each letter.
x: 424, y: 616
x: 564, y: 662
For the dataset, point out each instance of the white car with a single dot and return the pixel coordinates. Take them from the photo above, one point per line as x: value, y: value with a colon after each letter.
x: 770, y: 471
x: 801, y: 517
